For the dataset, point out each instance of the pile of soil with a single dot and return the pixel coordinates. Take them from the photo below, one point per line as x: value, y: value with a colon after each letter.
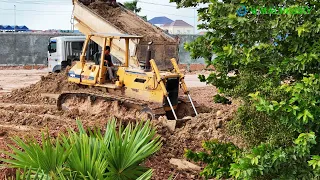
x: 53, y: 83
x: 190, y: 135
x: 128, y: 22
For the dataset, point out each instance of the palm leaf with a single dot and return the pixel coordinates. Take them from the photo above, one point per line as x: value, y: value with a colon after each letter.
x: 128, y: 147
x: 29, y: 174
x: 87, y: 157
x: 48, y: 157
x: 146, y: 176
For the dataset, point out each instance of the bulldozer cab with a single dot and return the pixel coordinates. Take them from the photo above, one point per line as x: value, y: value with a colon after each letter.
x: 106, y: 40
x: 96, y: 74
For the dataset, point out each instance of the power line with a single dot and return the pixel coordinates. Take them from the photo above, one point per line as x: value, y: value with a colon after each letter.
x: 169, y: 13
x: 35, y: 2
x: 58, y: 3
x: 31, y: 10
x: 163, y: 4
x: 157, y: 4
x: 36, y: 14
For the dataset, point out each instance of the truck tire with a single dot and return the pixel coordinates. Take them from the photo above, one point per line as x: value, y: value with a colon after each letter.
x: 64, y: 65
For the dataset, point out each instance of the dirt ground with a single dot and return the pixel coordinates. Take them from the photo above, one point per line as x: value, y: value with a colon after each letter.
x: 24, y: 112
x: 14, y: 79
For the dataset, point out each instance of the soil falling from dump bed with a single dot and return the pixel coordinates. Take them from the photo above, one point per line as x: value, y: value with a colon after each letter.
x: 128, y: 22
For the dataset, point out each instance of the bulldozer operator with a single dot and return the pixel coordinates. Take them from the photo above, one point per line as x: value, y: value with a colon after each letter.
x: 108, y: 62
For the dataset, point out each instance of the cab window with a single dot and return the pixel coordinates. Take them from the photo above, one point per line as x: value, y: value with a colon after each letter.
x: 52, y: 48
x: 77, y: 46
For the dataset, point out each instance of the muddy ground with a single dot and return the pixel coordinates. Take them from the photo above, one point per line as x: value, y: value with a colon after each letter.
x: 24, y: 112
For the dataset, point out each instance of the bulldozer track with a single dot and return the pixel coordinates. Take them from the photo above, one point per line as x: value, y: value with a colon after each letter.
x: 153, y: 109
x: 6, y: 112
x: 144, y: 106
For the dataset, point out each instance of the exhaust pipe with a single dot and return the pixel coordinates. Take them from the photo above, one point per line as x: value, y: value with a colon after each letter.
x: 148, y: 65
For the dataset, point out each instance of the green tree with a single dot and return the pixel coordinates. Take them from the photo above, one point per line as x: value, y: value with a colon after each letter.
x: 275, y: 61
x: 132, y: 6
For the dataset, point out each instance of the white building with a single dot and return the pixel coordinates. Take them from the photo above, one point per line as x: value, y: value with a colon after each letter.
x: 178, y: 27
x: 160, y: 21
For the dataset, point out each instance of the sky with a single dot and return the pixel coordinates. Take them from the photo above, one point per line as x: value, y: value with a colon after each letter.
x: 56, y: 14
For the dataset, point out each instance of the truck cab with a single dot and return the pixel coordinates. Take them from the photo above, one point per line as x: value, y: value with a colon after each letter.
x: 63, y: 50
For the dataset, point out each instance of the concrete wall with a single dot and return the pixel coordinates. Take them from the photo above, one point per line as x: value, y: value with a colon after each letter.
x: 184, y: 56
x: 24, y: 48
x: 31, y: 49
x: 185, y: 60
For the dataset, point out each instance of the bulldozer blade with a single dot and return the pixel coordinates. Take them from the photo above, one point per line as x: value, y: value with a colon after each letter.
x: 173, y: 124
x: 170, y: 124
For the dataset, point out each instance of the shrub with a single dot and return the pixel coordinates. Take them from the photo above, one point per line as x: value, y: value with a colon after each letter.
x: 275, y: 59
x: 114, y: 155
x: 221, y: 99
x: 219, y: 158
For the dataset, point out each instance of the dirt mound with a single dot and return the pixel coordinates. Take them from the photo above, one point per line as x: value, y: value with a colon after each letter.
x: 100, y: 109
x: 128, y: 22
x: 52, y: 83
x: 189, y: 135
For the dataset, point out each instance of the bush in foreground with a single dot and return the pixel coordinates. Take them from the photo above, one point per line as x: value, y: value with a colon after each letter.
x: 272, y: 48
x: 116, y: 154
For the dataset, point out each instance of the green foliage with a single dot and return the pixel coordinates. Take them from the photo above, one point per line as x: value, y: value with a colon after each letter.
x: 49, y: 157
x: 299, y: 109
x: 132, y: 6
x: 270, y: 162
x: 265, y: 129
x: 115, y: 155
x: 275, y: 61
x: 221, y: 99
x: 28, y: 175
x: 219, y: 159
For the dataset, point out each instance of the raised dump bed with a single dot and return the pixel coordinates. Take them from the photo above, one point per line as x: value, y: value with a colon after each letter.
x: 100, y: 17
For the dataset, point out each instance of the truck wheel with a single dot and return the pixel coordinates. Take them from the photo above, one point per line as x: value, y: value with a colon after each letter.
x: 64, y: 65
x: 69, y: 62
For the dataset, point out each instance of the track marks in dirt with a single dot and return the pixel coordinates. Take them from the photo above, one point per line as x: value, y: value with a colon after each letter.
x: 16, y: 128
x: 37, y: 116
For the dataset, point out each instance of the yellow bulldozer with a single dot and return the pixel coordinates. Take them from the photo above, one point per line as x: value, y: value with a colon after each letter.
x: 145, y: 88
x: 148, y: 90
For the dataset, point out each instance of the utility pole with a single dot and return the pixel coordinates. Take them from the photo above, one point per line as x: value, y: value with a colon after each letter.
x: 15, y: 22
x: 195, y: 22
